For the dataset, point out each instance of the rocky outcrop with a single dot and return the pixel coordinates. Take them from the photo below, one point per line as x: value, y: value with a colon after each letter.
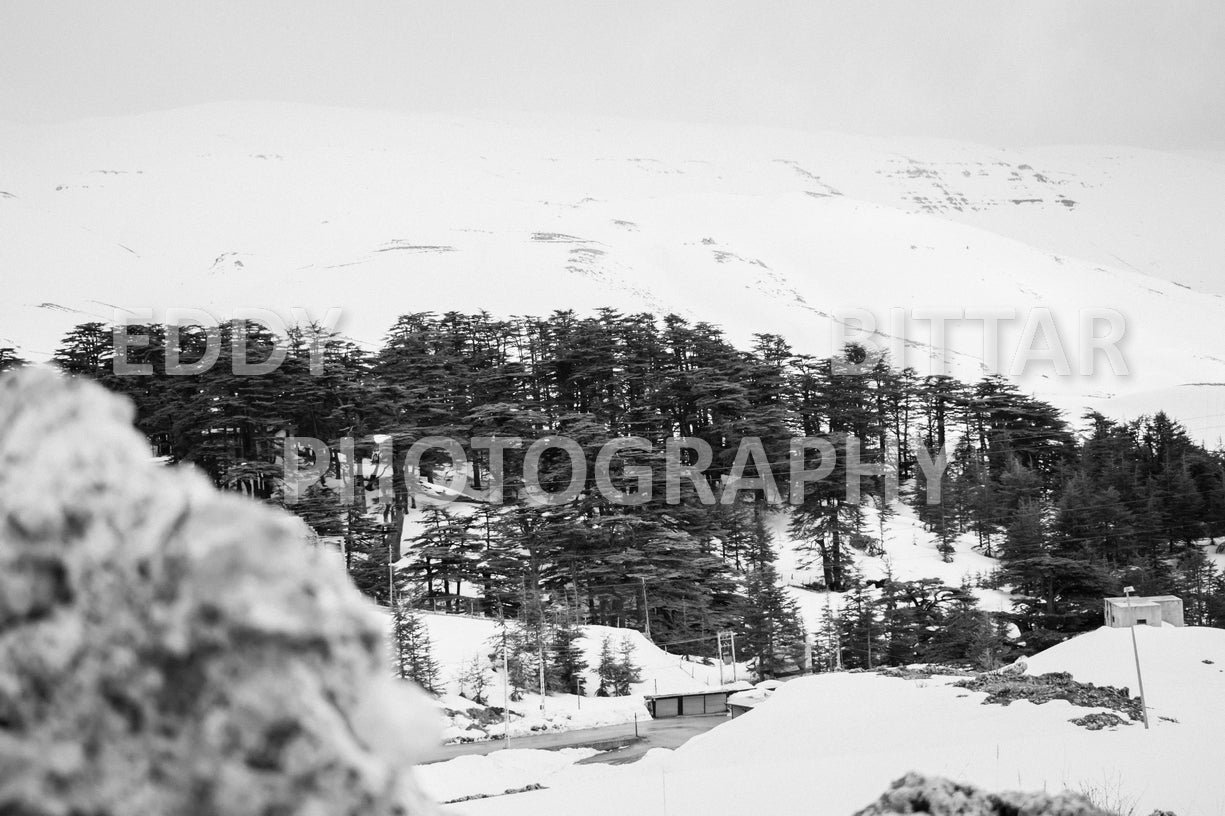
x: 916, y: 793
x: 1004, y: 689
x: 167, y: 649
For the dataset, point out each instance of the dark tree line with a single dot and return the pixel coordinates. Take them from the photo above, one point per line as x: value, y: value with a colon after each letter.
x: 1071, y: 517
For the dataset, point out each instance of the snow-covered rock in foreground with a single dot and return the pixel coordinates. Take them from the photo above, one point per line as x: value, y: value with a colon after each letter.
x: 830, y: 744
x: 166, y: 649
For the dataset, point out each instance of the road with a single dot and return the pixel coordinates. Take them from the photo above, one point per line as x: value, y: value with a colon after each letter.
x: 670, y: 733
x: 617, y: 742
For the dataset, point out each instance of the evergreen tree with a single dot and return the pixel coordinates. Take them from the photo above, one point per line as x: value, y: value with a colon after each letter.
x: 607, y: 668
x: 568, y: 660
x: 414, y: 652
x: 508, y: 647
x: 617, y: 670
x: 772, y: 632
x: 473, y: 680
x: 9, y: 359
x: 862, y: 634
x: 627, y: 672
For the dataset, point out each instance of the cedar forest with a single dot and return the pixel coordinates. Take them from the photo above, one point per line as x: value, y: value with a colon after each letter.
x: 1071, y: 513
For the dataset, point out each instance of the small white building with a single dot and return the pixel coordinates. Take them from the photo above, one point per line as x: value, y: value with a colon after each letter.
x: 1144, y: 610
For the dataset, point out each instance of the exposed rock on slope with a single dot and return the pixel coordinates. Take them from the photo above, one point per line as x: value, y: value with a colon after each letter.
x: 1004, y: 689
x: 916, y: 793
x: 165, y: 649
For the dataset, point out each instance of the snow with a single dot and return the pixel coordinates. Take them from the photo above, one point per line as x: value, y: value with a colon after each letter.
x: 495, y: 773
x: 1178, y: 682
x: 909, y: 552
x: 458, y: 639
x: 832, y: 743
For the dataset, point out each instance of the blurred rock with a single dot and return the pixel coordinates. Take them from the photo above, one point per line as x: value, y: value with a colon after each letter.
x: 168, y: 649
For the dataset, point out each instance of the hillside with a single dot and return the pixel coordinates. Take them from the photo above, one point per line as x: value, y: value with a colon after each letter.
x: 457, y: 640
x: 831, y: 743
x: 276, y: 206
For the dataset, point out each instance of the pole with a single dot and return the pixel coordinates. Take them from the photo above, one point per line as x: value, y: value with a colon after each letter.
x: 397, y: 623
x: 505, y: 695
x: 646, y: 612
x: 1136, y: 651
x: 505, y: 680
x: 542, y: 689
x: 733, y: 637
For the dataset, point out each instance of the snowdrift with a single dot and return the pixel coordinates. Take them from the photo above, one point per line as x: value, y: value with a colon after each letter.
x: 829, y: 744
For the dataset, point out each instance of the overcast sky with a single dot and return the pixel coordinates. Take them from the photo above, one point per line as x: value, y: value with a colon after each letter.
x: 1016, y: 72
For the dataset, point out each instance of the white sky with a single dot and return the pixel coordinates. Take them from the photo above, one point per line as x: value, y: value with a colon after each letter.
x: 1016, y: 72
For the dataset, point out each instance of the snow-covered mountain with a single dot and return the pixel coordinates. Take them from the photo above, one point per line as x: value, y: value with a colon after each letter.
x: 275, y: 206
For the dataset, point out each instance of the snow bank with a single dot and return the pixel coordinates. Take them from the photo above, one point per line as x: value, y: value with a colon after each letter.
x: 496, y: 773
x: 831, y: 743
x: 1184, y: 667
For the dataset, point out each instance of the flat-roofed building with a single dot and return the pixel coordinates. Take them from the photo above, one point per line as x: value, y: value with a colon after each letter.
x: 1144, y: 610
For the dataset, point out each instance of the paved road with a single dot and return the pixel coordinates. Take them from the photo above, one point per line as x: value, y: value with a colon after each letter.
x: 669, y: 733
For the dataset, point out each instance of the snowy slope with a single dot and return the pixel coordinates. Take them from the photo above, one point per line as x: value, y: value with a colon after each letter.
x: 456, y: 640
x: 830, y: 744
x: 909, y: 553
x: 1184, y: 669
x: 274, y: 206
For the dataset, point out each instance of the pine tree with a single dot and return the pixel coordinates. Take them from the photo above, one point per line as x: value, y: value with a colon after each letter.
x: 772, y: 632
x: 627, y: 672
x: 607, y: 668
x: 1024, y: 553
x: 1196, y: 578
x: 827, y: 642
x: 617, y: 670
x: 414, y: 651
x: 444, y: 554
x: 509, y: 648
x: 862, y: 634
x: 964, y: 634
x: 87, y: 350
x: 568, y: 660
x: 9, y: 359
x: 473, y: 680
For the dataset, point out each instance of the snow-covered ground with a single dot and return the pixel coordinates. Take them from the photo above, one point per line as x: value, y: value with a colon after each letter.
x: 497, y: 773
x: 456, y: 640
x: 909, y: 552
x: 832, y: 743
